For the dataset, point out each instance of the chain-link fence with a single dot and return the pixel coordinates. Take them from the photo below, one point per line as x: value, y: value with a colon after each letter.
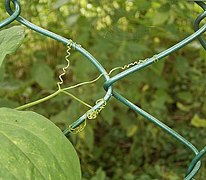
x: 80, y: 123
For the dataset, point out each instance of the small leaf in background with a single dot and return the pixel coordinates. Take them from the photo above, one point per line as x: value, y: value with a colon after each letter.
x: 72, y: 19
x: 61, y: 119
x: 88, y: 137
x: 144, y: 177
x: 131, y: 130
x: 100, y: 175
x: 160, y: 18
x: 82, y: 69
x: 161, y: 15
x: 108, y: 114
x: 181, y: 64
x: 10, y: 40
x: 183, y: 107
x: 129, y: 176
x: 198, y: 122
x: 158, y: 67
x: 43, y: 75
x: 59, y: 3
x: 11, y: 88
x: 32, y: 147
x: 185, y: 96
x: 8, y: 103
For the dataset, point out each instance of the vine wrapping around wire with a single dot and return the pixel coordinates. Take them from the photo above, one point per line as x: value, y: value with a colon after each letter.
x: 91, y: 114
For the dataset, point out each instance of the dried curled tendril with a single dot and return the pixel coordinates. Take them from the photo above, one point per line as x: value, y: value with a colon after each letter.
x: 78, y: 129
x: 138, y: 62
x: 133, y: 64
x: 91, y: 114
x: 61, y: 81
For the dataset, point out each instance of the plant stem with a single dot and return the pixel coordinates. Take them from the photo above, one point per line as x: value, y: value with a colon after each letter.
x: 76, y: 98
x: 38, y: 101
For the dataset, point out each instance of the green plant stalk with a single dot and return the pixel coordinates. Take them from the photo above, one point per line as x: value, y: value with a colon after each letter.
x: 74, y: 97
x: 50, y: 97
x: 38, y: 101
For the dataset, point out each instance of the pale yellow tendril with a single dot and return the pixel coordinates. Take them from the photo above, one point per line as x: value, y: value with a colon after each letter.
x: 156, y: 58
x: 83, y: 83
x: 134, y: 63
x: 61, y: 81
x: 76, y: 98
x: 78, y: 129
x: 92, y: 114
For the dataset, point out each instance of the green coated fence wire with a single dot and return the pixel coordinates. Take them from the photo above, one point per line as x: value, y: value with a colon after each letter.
x: 195, y: 164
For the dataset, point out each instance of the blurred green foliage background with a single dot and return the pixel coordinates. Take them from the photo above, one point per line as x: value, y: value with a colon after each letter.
x: 119, y: 144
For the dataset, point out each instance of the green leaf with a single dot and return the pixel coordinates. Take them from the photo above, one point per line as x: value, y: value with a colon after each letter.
x: 43, y: 75
x: 181, y: 65
x: 8, y: 103
x: 100, y: 175
x: 183, y: 107
x: 72, y: 19
x: 185, y: 96
x: 129, y: 176
x: 34, y: 148
x: 160, y: 18
x: 60, y: 3
x: 131, y: 130
x: 158, y: 67
x: 88, y: 137
x: 2, y: 72
x: 198, y: 122
x: 61, y: 119
x: 108, y: 114
x: 10, y: 40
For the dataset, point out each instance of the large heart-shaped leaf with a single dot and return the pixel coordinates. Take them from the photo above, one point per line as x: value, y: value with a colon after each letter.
x: 10, y: 40
x: 31, y: 147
